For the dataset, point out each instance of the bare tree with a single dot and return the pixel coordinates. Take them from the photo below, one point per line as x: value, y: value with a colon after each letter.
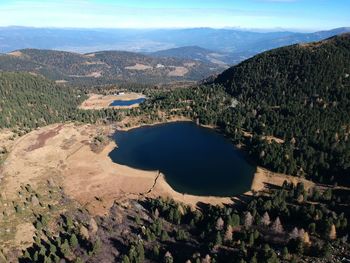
x: 228, y: 234
x: 306, y: 239
x: 301, y: 233
x: 266, y: 219
x: 156, y: 213
x: 277, y: 226
x: 294, y: 234
x: 248, y: 219
x: 207, y: 259
x: 333, y: 232
x: 168, y: 258
x: 219, y: 224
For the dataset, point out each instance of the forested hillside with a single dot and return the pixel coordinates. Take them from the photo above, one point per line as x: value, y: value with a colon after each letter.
x: 198, y: 53
x: 300, y: 94
x: 28, y: 101
x: 105, y: 67
x: 289, y: 108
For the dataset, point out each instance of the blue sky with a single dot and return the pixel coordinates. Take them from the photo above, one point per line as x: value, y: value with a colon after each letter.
x: 269, y: 14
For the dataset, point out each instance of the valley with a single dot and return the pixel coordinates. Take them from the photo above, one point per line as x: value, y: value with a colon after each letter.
x: 64, y: 156
x: 85, y: 181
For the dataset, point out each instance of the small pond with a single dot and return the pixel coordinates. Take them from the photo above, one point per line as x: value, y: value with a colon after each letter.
x: 127, y: 102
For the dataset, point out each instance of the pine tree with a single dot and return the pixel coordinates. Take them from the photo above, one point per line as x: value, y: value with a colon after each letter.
x: 138, y: 220
x: 156, y: 251
x: 254, y: 259
x: 125, y: 259
x: 234, y: 220
x: 285, y: 253
x: 164, y: 236
x: 312, y: 228
x: 218, y: 239
x: 140, y: 252
x: 326, y: 250
x: 73, y: 241
x: 251, y: 239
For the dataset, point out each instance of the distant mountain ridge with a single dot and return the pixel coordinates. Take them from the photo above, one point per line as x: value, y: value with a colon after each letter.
x: 105, y: 67
x: 196, y: 53
x: 246, y: 45
x: 236, y: 45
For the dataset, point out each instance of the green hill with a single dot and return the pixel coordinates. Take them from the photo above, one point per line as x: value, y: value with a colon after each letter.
x: 105, y: 67
x: 300, y: 94
x: 31, y: 101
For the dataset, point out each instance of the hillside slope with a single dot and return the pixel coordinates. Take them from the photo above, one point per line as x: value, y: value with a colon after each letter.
x: 105, y: 67
x: 300, y: 94
x: 196, y: 53
x: 30, y: 101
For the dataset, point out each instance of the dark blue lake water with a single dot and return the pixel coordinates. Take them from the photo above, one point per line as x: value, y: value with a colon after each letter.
x: 194, y: 160
x: 127, y: 102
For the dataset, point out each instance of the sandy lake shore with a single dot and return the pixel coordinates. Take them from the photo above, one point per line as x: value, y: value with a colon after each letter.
x: 63, y: 152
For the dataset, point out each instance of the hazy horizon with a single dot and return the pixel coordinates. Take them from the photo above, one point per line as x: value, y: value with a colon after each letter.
x: 258, y: 30
x: 276, y: 15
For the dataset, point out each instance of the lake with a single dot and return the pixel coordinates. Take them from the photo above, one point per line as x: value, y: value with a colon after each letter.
x: 127, y: 102
x: 194, y: 160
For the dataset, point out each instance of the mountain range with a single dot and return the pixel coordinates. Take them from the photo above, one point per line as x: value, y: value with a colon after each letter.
x: 106, y: 67
x: 233, y: 45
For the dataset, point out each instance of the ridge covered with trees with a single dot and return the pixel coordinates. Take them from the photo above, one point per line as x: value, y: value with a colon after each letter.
x: 106, y: 67
x: 300, y: 94
x: 28, y: 102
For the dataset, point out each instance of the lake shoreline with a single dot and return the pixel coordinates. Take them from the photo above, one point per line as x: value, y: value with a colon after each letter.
x: 69, y: 148
x: 262, y: 176
x: 189, y: 155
